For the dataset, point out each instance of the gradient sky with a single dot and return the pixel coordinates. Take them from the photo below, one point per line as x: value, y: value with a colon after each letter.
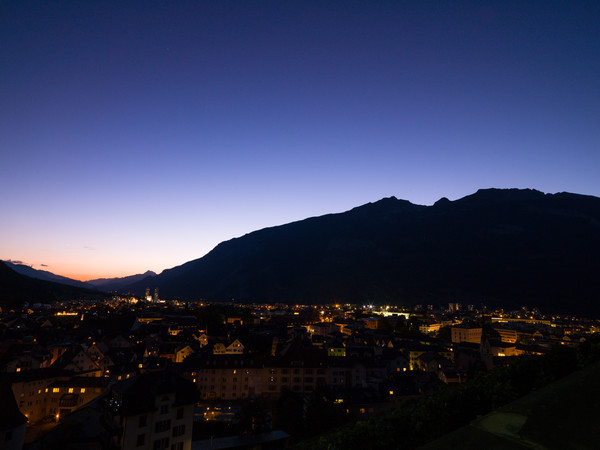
x: 137, y: 135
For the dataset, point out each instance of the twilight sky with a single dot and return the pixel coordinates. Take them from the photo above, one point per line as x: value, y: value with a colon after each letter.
x: 137, y: 135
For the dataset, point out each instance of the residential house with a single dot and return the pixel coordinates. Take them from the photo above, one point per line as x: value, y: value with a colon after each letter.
x: 235, y: 348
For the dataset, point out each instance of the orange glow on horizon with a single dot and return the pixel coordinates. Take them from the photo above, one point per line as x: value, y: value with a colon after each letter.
x: 84, y: 276
x: 91, y: 276
x: 85, y: 272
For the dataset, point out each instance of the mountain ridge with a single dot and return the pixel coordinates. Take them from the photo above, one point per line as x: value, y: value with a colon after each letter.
x: 18, y: 288
x: 45, y: 275
x: 502, y: 246
x: 114, y: 284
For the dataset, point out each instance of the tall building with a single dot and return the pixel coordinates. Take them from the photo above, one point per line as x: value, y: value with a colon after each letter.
x: 156, y: 294
x: 153, y: 411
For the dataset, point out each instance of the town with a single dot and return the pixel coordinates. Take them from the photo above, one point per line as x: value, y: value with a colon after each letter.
x: 144, y: 373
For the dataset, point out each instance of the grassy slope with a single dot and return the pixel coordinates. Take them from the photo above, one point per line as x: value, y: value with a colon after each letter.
x: 563, y: 415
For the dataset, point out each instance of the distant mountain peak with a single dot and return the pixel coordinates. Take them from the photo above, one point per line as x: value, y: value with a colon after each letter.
x: 508, y: 194
x: 113, y: 284
x: 18, y: 288
x: 29, y: 271
x: 442, y: 201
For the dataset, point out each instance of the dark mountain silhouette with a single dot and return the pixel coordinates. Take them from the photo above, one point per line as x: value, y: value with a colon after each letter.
x: 114, y: 284
x: 16, y: 289
x: 45, y: 275
x: 499, y: 247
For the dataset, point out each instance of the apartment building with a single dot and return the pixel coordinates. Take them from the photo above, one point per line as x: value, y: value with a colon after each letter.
x: 48, y: 392
x: 154, y: 410
x: 466, y: 334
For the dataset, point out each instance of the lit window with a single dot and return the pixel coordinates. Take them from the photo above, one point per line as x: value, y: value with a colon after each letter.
x: 55, y: 389
x: 83, y: 390
x: 70, y: 390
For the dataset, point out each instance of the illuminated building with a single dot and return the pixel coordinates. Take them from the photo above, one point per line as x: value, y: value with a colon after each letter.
x: 464, y: 334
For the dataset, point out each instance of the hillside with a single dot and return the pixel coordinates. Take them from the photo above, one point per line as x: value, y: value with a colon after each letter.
x: 46, y: 275
x: 504, y: 247
x: 16, y: 289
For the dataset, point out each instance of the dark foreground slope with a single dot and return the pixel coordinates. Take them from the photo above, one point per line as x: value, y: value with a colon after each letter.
x: 536, y: 401
x: 562, y: 415
x: 16, y: 289
x: 506, y: 247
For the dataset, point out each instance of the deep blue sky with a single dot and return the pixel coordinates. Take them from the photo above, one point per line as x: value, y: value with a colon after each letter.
x: 138, y: 135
